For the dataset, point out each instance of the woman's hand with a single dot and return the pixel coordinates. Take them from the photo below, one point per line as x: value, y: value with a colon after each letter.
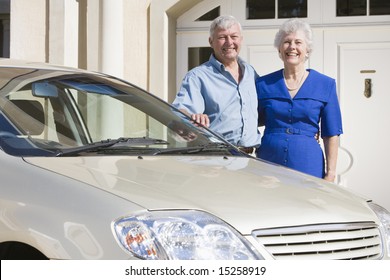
x: 330, y: 176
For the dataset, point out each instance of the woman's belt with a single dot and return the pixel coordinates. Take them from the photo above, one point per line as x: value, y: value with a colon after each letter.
x: 290, y: 130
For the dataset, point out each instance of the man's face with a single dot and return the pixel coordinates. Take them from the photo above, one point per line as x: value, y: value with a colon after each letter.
x: 226, y: 43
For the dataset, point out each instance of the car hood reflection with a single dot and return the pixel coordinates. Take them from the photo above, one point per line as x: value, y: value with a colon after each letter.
x: 242, y: 189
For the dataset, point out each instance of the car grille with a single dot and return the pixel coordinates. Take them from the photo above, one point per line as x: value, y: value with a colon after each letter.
x: 323, y: 242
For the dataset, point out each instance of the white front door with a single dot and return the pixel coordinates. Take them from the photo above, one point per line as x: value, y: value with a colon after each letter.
x: 363, y: 79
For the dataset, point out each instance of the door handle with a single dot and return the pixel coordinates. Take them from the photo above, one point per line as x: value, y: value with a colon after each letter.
x: 367, y: 88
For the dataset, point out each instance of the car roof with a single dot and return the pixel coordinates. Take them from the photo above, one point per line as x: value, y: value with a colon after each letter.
x: 9, y: 62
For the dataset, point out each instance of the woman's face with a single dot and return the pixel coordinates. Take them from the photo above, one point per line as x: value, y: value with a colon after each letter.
x: 293, y: 49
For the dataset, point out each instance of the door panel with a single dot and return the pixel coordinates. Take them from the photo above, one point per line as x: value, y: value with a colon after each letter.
x: 362, y: 53
x: 365, y: 118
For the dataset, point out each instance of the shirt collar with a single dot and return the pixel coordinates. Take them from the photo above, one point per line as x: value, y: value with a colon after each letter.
x: 217, y: 64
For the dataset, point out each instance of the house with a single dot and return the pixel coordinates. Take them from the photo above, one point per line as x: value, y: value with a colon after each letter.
x: 153, y: 43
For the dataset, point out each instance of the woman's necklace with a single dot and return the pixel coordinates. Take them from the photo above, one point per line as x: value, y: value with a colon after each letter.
x: 299, y: 83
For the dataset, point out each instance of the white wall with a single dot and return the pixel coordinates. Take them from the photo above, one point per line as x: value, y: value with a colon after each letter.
x: 107, y: 36
x: 28, y: 30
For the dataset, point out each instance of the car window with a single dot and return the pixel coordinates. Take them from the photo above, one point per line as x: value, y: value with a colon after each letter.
x: 55, y: 112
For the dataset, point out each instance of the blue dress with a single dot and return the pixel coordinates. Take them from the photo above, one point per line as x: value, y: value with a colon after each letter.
x: 291, y: 123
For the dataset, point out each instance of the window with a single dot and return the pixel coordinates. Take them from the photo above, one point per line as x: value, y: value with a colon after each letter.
x: 4, y: 36
x: 211, y: 15
x: 269, y: 9
x: 260, y: 9
x: 351, y: 8
x: 4, y: 28
x: 347, y: 8
x: 379, y: 7
x: 292, y: 8
x: 197, y: 56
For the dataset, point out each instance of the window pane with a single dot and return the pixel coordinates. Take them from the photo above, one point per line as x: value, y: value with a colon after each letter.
x: 210, y: 15
x: 347, y: 8
x: 292, y: 8
x: 4, y: 36
x: 379, y: 7
x: 256, y: 9
x: 197, y: 56
x: 4, y: 28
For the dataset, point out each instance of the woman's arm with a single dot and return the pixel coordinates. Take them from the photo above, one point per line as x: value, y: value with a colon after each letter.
x: 331, y: 145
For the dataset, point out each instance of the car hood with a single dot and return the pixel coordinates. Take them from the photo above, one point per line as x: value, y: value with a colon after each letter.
x: 247, y: 193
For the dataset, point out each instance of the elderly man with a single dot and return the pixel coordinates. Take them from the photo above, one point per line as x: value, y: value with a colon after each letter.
x: 221, y: 93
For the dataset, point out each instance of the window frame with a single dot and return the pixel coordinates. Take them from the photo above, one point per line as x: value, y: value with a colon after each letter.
x: 320, y: 12
x: 330, y: 17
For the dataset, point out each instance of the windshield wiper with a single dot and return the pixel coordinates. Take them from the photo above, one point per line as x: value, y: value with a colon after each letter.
x: 195, y: 149
x: 103, y: 144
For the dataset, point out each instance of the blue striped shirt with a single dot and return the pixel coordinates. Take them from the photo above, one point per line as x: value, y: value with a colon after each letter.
x: 231, y: 107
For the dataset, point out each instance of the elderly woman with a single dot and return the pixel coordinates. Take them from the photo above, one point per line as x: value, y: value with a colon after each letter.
x: 297, y: 105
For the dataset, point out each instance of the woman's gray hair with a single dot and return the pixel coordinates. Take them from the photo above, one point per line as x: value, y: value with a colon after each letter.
x: 224, y: 22
x: 291, y: 26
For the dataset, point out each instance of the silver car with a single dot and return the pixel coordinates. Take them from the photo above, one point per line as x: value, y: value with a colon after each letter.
x: 93, y: 167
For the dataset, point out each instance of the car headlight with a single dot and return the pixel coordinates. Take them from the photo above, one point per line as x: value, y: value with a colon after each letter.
x: 181, y: 235
x: 384, y: 218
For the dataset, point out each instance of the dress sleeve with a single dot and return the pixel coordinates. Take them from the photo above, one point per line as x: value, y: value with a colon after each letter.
x: 331, y: 122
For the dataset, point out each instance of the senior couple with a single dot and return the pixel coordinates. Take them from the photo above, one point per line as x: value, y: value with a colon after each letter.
x: 296, y: 105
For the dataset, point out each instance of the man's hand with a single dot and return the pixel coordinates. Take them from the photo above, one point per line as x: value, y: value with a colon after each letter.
x: 203, y: 119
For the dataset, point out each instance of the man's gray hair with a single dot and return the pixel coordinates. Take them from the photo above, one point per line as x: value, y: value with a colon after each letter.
x: 224, y: 22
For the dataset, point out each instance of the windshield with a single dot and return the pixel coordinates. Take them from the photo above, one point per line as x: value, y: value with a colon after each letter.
x: 61, y: 113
